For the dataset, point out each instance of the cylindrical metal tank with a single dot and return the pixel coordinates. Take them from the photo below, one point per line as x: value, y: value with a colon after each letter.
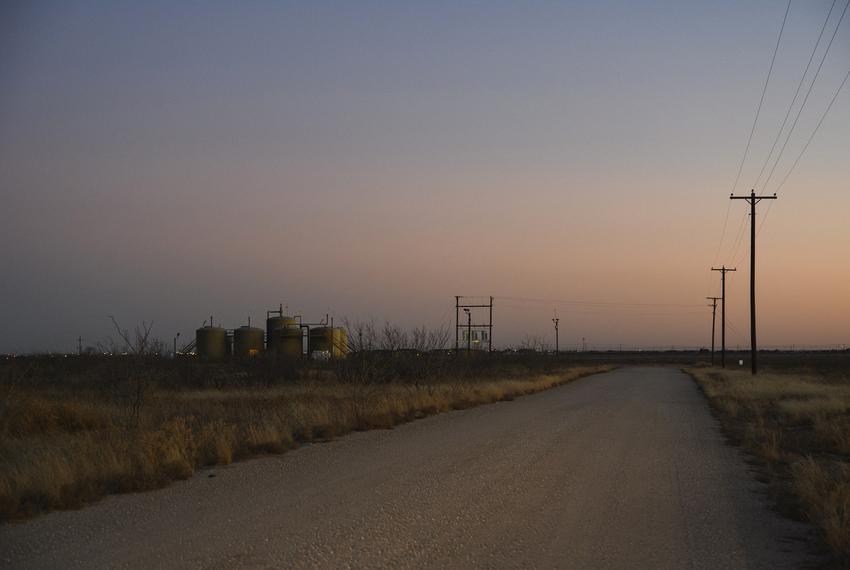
x: 321, y: 340
x: 211, y: 343
x: 281, y: 322
x: 247, y: 342
x: 285, y: 341
x: 283, y: 336
x: 340, y: 342
x: 328, y: 342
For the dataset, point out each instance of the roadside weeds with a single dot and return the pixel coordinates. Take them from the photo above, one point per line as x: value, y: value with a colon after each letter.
x: 62, y: 450
x: 798, y: 426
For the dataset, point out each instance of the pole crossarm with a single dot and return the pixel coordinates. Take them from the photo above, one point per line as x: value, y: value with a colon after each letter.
x: 752, y: 199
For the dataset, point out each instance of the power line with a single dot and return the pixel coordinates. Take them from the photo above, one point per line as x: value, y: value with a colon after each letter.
x: 812, y: 136
x: 722, y: 236
x: 597, y: 303
x: 739, y: 236
x: 761, y: 100
x: 750, y: 137
x: 806, y: 98
x: 805, y: 147
x: 796, y: 93
x: 722, y: 232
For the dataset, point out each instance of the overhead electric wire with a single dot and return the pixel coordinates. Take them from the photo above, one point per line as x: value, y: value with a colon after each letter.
x: 806, y: 98
x: 796, y: 93
x: 612, y: 304
x: 723, y: 232
x: 764, y: 217
x: 814, y: 132
x: 817, y: 127
x: 739, y: 237
x: 761, y: 100
x: 752, y: 131
x: 722, y: 236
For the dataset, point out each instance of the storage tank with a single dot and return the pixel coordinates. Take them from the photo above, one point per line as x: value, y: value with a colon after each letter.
x: 283, y: 335
x: 321, y: 340
x: 330, y: 342
x: 285, y: 341
x: 280, y: 322
x: 340, y: 342
x: 211, y: 343
x: 247, y: 341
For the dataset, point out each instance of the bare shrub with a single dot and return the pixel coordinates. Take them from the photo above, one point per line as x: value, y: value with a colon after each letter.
x: 535, y: 343
x: 365, y: 336
x: 140, y: 343
x: 393, y: 337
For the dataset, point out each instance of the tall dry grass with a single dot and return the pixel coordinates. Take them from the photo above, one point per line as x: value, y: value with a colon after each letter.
x: 61, y: 447
x: 798, y: 424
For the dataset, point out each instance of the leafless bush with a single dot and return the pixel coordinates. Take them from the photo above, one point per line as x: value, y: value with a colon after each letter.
x: 365, y: 336
x: 393, y: 337
x: 140, y: 343
x: 535, y: 343
x: 362, y: 335
x: 131, y: 384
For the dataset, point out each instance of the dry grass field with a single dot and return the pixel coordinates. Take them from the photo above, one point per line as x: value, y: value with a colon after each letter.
x: 71, y: 434
x: 799, y: 425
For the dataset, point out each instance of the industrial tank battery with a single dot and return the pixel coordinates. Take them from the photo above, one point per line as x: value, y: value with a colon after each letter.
x: 212, y: 343
x: 247, y: 341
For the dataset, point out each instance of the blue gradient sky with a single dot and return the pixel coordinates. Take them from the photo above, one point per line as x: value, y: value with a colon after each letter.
x: 166, y: 161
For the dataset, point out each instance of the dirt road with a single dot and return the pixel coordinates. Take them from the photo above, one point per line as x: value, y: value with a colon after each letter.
x: 620, y: 470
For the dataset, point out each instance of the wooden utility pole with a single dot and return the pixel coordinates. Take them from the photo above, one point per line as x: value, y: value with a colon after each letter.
x: 752, y: 200
x: 713, y: 320
x: 556, y: 320
x: 490, y: 328
x: 468, y: 330
x: 723, y: 270
x: 457, y: 318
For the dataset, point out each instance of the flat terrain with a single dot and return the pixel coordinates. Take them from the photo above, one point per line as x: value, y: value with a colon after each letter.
x: 620, y: 470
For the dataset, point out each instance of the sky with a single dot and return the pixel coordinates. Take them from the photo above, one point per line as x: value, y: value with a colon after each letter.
x: 167, y: 161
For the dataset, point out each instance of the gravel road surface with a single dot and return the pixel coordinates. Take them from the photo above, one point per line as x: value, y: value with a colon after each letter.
x: 620, y: 470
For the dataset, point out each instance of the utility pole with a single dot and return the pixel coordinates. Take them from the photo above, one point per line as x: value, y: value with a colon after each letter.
x: 490, y: 328
x: 79, y: 345
x: 555, y: 320
x: 468, y: 330
x: 713, y: 319
x: 457, y: 318
x: 752, y: 200
x: 178, y: 334
x: 723, y: 270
